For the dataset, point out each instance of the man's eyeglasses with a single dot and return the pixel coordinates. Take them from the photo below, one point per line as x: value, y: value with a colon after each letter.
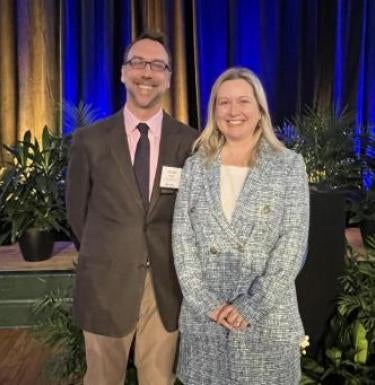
x: 140, y: 64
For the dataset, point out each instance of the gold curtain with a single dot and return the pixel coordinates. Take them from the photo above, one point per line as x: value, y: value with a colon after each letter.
x: 30, y: 65
x: 29, y: 68
x: 8, y: 97
x: 179, y: 100
x: 151, y: 15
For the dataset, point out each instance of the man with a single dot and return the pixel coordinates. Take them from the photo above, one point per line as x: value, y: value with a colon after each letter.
x: 122, y: 181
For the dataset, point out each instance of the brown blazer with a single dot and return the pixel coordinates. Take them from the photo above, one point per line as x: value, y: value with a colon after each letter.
x: 115, y: 232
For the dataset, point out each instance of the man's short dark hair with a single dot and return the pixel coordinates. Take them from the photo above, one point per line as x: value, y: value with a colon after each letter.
x: 154, y: 36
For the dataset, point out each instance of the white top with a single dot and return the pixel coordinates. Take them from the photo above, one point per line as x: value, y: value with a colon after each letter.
x: 232, y: 179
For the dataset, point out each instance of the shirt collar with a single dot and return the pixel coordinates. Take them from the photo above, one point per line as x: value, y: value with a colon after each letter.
x: 154, y: 123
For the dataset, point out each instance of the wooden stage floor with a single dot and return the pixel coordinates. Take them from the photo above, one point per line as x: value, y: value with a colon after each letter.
x: 22, y: 358
x: 63, y: 258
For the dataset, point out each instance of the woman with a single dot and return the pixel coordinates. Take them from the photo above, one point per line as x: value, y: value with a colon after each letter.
x: 239, y: 238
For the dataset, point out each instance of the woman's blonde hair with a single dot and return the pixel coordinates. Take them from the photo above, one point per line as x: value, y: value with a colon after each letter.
x: 211, y: 139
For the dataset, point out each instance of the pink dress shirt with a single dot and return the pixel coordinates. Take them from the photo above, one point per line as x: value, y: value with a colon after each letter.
x: 154, y: 134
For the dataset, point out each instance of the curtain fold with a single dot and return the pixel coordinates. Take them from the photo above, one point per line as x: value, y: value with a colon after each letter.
x: 38, y: 69
x: 29, y: 69
x: 8, y: 79
x: 95, y: 34
x: 318, y: 53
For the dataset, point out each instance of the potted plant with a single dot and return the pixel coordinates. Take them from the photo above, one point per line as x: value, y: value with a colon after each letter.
x: 325, y: 138
x: 32, y: 192
x: 347, y: 356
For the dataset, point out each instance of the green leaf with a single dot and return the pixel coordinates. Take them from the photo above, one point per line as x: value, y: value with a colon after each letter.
x: 334, y: 354
x: 46, y: 138
x: 312, y: 366
x: 306, y: 380
x: 32, y: 188
x: 79, y: 116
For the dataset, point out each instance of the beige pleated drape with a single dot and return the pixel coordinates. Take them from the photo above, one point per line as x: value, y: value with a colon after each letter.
x: 29, y: 68
x: 152, y: 15
x: 30, y: 65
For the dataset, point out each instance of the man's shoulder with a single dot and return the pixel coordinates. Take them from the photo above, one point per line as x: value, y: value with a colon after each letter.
x: 178, y: 127
x: 100, y: 126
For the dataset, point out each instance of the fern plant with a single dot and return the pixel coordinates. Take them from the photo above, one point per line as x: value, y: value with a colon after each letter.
x: 56, y: 329
x: 325, y: 138
x: 347, y: 356
x: 79, y: 115
x: 32, y: 186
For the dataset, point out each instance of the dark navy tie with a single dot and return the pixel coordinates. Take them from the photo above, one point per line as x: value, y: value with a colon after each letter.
x: 142, y: 163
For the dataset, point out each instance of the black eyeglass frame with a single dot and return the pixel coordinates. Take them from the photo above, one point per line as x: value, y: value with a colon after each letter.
x: 141, y: 64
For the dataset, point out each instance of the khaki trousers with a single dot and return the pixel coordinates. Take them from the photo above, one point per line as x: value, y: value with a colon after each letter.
x: 155, y: 349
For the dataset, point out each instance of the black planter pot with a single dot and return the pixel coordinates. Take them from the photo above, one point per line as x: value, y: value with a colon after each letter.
x: 367, y: 227
x: 36, y: 245
x: 317, y: 284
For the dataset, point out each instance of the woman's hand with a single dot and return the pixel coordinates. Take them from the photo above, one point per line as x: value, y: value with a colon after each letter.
x: 214, y: 313
x: 229, y: 317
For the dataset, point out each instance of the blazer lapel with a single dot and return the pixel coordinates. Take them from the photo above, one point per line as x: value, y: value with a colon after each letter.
x: 118, y: 144
x: 166, y: 157
x: 247, y: 201
x: 213, y: 193
x: 242, y: 222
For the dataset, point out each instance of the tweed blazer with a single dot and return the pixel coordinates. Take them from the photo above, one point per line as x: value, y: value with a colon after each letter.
x: 251, y: 261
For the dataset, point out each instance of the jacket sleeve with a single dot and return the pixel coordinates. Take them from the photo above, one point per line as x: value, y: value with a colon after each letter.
x: 287, y: 256
x: 185, y: 250
x: 78, y: 185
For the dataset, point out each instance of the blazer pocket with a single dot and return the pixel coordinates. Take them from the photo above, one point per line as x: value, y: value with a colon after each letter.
x: 198, y: 219
x: 269, y: 216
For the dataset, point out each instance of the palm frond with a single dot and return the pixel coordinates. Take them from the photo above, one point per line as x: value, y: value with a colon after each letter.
x: 80, y: 115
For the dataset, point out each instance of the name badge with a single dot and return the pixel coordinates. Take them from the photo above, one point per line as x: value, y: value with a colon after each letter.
x: 170, y: 177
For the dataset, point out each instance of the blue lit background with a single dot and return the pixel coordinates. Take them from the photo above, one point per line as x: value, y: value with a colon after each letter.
x: 305, y: 52
x: 95, y: 34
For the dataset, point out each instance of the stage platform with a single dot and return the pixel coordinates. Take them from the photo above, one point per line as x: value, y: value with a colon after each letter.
x: 63, y: 257
x: 23, y: 283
